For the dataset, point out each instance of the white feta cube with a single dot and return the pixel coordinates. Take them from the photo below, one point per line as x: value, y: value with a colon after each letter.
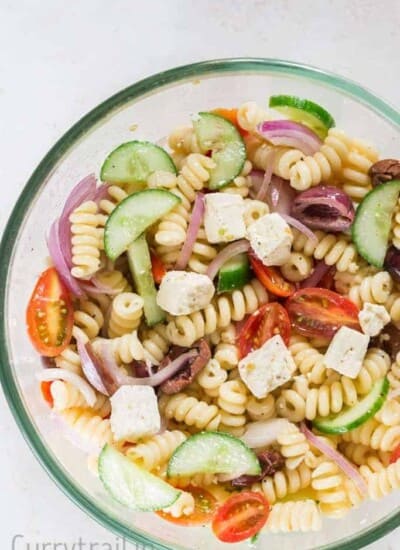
x: 223, y: 218
x: 346, y: 352
x: 271, y: 239
x: 134, y: 413
x: 267, y: 368
x: 183, y: 292
x: 373, y: 318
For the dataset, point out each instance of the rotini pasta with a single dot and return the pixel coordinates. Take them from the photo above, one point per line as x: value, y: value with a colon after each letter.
x: 249, y: 116
x: 190, y: 411
x: 292, y: 516
x: 125, y: 315
x: 357, y: 181
x: 69, y: 359
x: 203, y: 253
x: 89, y: 426
x: 253, y: 210
x: 284, y: 483
x: 211, y: 377
x: 329, y: 484
x: 376, y: 435
x: 298, y: 267
x: 155, y: 452
x: 374, y: 289
x: 383, y: 482
x: 85, y: 241
x: 308, y: 360
x: 232, y: 403
x: 88, y: 321
x: 67, y: 396
x: 261, y: 409
x: 293, y: 445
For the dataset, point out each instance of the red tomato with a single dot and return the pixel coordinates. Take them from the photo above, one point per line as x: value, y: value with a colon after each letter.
x: 394, y: 457
x: 267, y: 321
x: 205, y: 505
x: 270, y: 277
x: 319, y: 313
x: 50, y: 315
x: 157, y: 268
x: 46, y: 393
x: 241, y: 517
x: 231, y: 115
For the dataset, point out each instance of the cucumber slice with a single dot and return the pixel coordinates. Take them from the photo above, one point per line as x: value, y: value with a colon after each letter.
x: 305, y: 111
x: 234, y: 274
x: 373, y: 221
x: 133, y: 486
x: 228, y: 150
x: 140, y: 266
x: 353, y: 417
x: 213, y: 453
x: 133, y: 216
x: 134, y: 161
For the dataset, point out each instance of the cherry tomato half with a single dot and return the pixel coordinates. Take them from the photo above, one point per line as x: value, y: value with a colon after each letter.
x: 319, y: 313
x: 157, y: 268
x: 231, y: 115
x: 46, y: 393
x: 241, y: 517
x: 267, y: 321
x: 394, y: 457
x: 270, y: 277
x: 204, y: 508
x: 50, y: 315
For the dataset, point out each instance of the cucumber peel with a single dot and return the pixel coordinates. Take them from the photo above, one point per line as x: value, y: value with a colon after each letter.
x: 213, y: 453
x: 304, y: 111
x: 140, y: 265
x: 353, y: 417
x: 373, y: 222
x: 235, y: 273
x: 132, y: 485
x: 133, y: 216
x: 216, y: 133
x: 135, y: 161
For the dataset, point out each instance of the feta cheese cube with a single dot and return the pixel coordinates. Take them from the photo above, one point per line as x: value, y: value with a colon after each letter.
x: 134, y: 413
x: 267, y: 368
x: 271, y: 239
x: 182, y: 292
x: 373, y: 318
x: 346, y: 352
x: 223, y: 218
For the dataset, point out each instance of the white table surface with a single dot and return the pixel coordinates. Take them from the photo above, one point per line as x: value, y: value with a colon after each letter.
x: 59, y: 58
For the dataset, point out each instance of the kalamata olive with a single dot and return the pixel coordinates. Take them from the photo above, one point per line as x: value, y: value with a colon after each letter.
x: 270, y: 461
x: 324, y: 207
x: 388, y: 340
x: 384, y: 170
x: 392, y: 263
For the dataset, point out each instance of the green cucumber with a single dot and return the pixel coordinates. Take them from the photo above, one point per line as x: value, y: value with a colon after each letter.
x: 351, y: 418
x: 213, y: 453
x: 217, y: 134
x: 235, y: 273
x: 132, y: 485
x: 373, y: 221
x: 135, y: 161
x: 140, y: 266
x: 304, y: 111
x: 133, y: 216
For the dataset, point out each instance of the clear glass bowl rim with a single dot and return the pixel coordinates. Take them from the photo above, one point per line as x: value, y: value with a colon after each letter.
x: 66, y: 142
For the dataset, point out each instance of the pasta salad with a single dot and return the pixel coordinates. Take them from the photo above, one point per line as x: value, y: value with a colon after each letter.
x: 221, y: 321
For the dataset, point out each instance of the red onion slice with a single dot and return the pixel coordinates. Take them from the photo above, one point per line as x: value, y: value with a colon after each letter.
x: 263, y: 191
x: 192, y: 232
x: 319, y: 271
x: 113, y: 378
x: 57, y: 256
x: 291, y: 134
x: 347, y: 468
x: 301, y: 227
x: 233, y: 249
x: 62, y: 374
x: 90, y: 370
x: 257, y: 178
x: 280, y: 195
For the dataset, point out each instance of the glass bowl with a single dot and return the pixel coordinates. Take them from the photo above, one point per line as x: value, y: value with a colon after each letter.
x: 156, y: 105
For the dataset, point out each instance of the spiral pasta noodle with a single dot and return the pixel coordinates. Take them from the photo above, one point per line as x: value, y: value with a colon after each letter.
x: 394, y: 374
x: 114, y: 280
x: 211, y: 377
x: 183, y: 506
x: 232, y: 403
x: 357, y: 181
x: 160, y: 179
x: 155, y: 343
x: 155, y: 452
x: 190, y: 411
x: 66, y: 396
x: 362, y: 455
x: 375, y: 366
x: 375, y: 289
x: 261, y: 409
x: 242, y: 183
x: 203, y: 253
x: 85, y: 240
x: 183, y: 140
x: 285, y: 482
x: 126, y: 348
x: 186, y: 329
x: 292, y: 516
x: 293, y: 446
x: 308, y: 360
x: 115, y: 195
x: 90, y: 426
x: 88, y: 321
x: 250, y: 115
x: 69, y: 360
x: 333, y: 249
x: 298, y: 267
x: 323, y: 165
x: 376, y: 435
x: 383, y: 482
x: 254, y: 210
x: 331, y: 492
x: 126, y: 313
